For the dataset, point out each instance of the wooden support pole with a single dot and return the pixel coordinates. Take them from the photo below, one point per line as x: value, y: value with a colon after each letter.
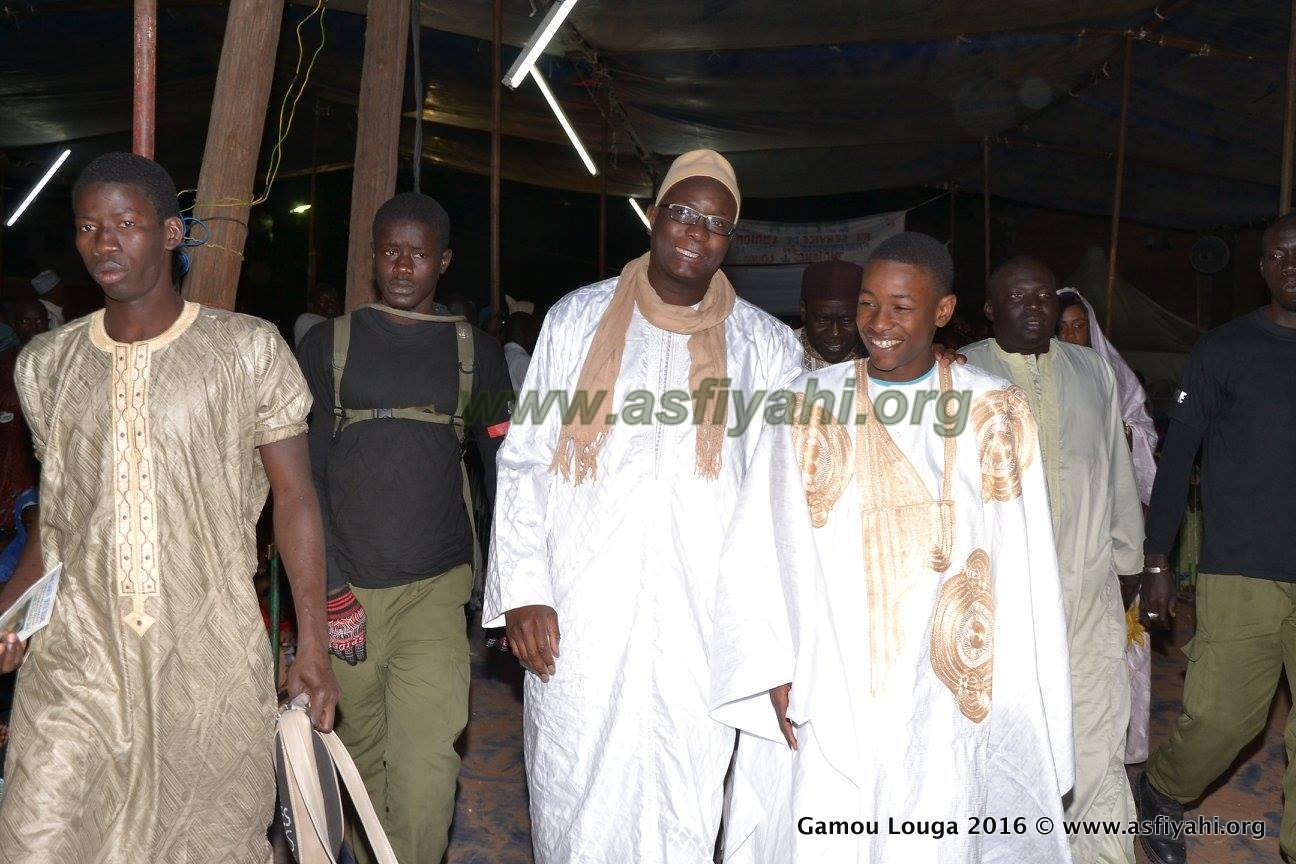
x: 603, y: 183
x: 1289, y: 122
x: 985, y: 169
x: 1108, y: 329
x: 497, y: 45
x: 233, y: 145
x: 312, y: 253
x: 145, y: 90
x: 382, y: 85
x: 4, y: 163
x: 420, y: 95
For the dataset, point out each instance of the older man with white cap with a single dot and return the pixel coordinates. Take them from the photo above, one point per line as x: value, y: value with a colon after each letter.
x: 608, y: 531
x: 48, y: 287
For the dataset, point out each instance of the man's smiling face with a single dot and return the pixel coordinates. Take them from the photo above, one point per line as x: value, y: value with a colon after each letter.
x: 691, y: 254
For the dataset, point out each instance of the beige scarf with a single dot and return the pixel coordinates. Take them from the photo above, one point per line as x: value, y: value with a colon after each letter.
x: 580, y: 442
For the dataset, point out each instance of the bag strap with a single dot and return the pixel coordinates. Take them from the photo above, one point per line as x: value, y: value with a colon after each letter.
x: 299, y: 763
x: 360, y: 799
x: 414, y: 316
x: 295, y: 732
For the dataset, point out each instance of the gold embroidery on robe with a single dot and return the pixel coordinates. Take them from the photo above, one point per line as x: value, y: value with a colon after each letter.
x: 135, y: 538
x: 906, y: 533
x: 823, y: 450
x: 1006, y: 437
x: 135, y: 496
x: 962, y: 637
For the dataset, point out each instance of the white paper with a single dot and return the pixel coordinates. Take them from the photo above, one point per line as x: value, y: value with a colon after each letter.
x: 34, y: 607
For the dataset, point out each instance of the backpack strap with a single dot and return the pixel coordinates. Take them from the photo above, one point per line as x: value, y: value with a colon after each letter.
x: 464, y: 342
x: 341, y: 343
x: 344, y: 417
x: 464, y: 345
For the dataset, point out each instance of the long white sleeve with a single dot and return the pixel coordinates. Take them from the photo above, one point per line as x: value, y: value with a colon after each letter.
x: 758, y: 597
x: 1025, y: 547
x: 518, y: 570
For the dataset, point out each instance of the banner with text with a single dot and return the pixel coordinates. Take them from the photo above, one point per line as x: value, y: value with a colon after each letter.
x: 766, y: 259
x: 763, y: 243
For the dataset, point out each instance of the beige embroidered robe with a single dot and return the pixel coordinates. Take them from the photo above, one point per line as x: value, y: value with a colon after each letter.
x: 143, y: 720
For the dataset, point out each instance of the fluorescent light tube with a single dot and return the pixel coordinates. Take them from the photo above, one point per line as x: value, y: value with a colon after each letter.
x: 640, y: 213
x: 31, y: 196
x: 539, y: 40
x: 563, y: 121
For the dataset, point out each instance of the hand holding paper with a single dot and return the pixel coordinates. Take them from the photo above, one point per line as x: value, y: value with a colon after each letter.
x: 29, y: 614
x: 11, y: 652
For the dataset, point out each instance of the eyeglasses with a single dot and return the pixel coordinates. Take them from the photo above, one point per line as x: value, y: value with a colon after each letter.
x: 688, y: 216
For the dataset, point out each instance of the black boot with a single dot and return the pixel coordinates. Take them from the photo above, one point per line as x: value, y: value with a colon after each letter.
x: 1161, y: 848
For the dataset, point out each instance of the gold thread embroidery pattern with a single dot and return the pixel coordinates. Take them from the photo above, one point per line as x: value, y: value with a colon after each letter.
x: 823, y: 451
x: 135, y: 537
x: 906, y: 532
x: 962, y: 637
x: 1006, y: 438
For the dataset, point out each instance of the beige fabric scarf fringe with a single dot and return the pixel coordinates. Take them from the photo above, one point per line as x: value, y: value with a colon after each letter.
x: 576, y: 456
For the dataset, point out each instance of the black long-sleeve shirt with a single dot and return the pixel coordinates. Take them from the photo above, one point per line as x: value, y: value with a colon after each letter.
x: 391, y: 490
x: 1237, y: 402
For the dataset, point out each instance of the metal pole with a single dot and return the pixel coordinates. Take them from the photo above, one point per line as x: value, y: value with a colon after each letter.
x: 145, y: 92
x: 603, y: 183
x: 312, y: 254
x: 953, y: 213
x: 1289, y: 122
x: 275, y: 612
x: 497, y: 38
x: 1120, y: 185
x: 985, y: 168
x: 1202, y: 287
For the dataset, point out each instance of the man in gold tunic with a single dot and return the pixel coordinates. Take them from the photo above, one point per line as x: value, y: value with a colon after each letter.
x: 144, y: 718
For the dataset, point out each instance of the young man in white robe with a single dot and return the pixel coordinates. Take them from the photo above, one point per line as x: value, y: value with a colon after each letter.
x: 607, y: 534
x: 890, y: 637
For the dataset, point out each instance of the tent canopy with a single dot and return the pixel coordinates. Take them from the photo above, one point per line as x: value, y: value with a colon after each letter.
x: 807, y: 98
x: 1151, y: 338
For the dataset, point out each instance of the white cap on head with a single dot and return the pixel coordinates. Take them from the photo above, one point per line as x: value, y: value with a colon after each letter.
x: 515, y: 306
x: 45, y: 281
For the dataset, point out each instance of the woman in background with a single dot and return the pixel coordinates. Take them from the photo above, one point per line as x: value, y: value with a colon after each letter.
x: 1078, y: 325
